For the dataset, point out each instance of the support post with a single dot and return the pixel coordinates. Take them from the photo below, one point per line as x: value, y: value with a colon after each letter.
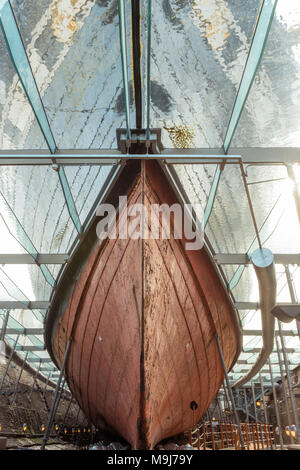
x: 254, y: 401
x: 278, y: 420
x: 51, y: 414
x: 230, y: 393
x: 246, y: 405
x: 263, y: 399
x: 289, y: 382
x: 284, y: 387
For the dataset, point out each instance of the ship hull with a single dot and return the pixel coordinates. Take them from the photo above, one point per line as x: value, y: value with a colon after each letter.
x: 143, y: 315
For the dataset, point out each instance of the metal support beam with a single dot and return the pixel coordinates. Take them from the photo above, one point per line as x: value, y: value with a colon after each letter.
x: 42, y: 359
x: 263, y: 399
x: 23, y: 258
x: 259, y: 332
x: 68, y: 198
x: 30, y: 305
x: 25, y: 331
x: 123, y: 47
x: 246, y: 405
x: 247, y: 155
x: 257, y: 350
x: 244, y: 259
x: 148, y: 68
x: 289, y: 383
x: 274, y: 363
x: 254, y: 401
x: 283, y: 384
x: 257, y: 46
x: 255, y: 305
x: 278, y: 420
x: 30, y: 348
x: 212, y: 196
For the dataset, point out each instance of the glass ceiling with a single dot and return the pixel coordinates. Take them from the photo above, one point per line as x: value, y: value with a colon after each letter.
x: 216, y: 76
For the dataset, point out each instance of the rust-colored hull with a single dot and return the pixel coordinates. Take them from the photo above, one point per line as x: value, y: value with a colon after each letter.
x: 143, y: 315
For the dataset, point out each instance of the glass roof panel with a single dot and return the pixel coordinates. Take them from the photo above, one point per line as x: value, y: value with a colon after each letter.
x: 86, y: 183
x: 73, y: 49
x: 274, y: 208
x: 203, y: 45
x: 18, y: 126
x: 271, y: 116
x: 230, y: 228
x: 37, y: 201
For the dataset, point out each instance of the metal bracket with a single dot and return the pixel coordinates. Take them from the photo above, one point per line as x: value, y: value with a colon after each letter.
x: 138, y: 143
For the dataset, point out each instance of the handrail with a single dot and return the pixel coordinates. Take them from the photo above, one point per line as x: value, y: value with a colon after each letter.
x: 216, y: 435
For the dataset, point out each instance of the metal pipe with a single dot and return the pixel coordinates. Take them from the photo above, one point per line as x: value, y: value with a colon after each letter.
x: 263, y: 261
x: 230, y: 393
x: 289, y: 382
x: 51, y: 414
x: 278, y: 420
x: 250, y: 204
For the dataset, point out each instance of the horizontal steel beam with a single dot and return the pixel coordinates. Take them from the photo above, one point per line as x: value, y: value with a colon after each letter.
x: 36, y: 360
x: 255, y: 305
x: 30, y: 348
x: 24, y: 331
x: 244, y: 361
x: 24, y: 258
x: 244, y: 371
x: 30, y: 305
x: 247, y: 305
x: 259, y: 332
x: 238, y: 258
x: 255, y: 155
x: 250, y: 155
x: 258, y: 350
x: 66, y: 157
